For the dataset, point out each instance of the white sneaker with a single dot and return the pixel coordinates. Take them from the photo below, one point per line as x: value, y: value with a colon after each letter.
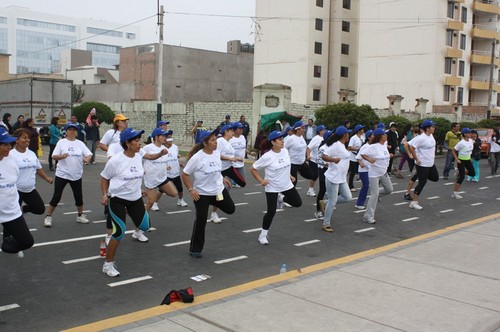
x: 139, y: 236
x: 82, y: 219
x: 359, y: 207
x: 107, y: 239
x: 414, y: 205
x: 456, y: 195
x: 215, y: 218
x: 20, y: 254
x: 311, y: 192
x: 155, y: 207
x: 47, y: 222
x: 263, y: 240
x: 181, y: 202
x: 319, y: 215
x: 280, y: 201
x: 109, y: 268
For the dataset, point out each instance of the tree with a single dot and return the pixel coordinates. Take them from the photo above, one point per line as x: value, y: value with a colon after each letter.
x: 77, y: 93
x: 103, y: 112
x: 335, y: 115
x: 488, y: 123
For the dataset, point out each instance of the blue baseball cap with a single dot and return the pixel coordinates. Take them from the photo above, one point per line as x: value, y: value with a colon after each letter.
x: 466, y: 130
x: 228, y: 127
x: 5, y: 137
x: 427, y: 123
x: 70, y: 125
x: 358, y: 127
x: 237, y: 124
x: 276, y: 134
x: 158, y: 131
x: 130, y: 133
x: 379, y: 131
x: 380, y: 125
x: 162, y: 123
x: 320, y: 128
x: 206, y: 133
x: 288, y: 129
x: 368, y: 133
x: 327, y: 134
x: 298, y: 124
x: 341, y: 130
x: 169, y: 132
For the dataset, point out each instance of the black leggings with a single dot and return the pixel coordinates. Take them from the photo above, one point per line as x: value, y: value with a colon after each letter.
x: 118, y: 209
x: 177, y: 183
x: 304, y: 171
x: 59, y: 185
x: 234, y: 175
x: 292, y: 197
x: 202, y: 205
x: 462, y: 166
x: 34, y: 202
x: 424, y: 174
x: 322, y: 187
x: 314, y: 170
x: 353, y: 170
x: 16, y: 236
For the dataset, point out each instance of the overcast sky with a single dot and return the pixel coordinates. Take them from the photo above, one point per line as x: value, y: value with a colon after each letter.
x: 195, y: 30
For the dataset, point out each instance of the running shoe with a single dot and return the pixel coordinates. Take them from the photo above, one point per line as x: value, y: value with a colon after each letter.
x: 181, y: 202
x: 139, y: 236
x: 47, y: 222
x: 109, y: 268
x: 414, y: 205
x: 82, y: 219
x: 155, y: 207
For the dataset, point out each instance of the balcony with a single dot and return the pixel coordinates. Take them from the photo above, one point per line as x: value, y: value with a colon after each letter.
x: 455, y: 25
x: 453, y: 53
x: 486, y: 6
x: 482, y: 83
x: 485, y: 32
x: 452, y: 80
x: 483, y: 58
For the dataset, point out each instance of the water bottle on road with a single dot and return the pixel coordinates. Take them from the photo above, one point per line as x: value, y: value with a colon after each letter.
x: 283, y: 269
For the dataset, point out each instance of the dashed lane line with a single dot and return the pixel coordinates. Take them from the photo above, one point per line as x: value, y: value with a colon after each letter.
x: 253, y: 193
x: 229, y: 260
x: 79, y: 260
x: 57, y: 204
x: 129, y: 281
x: 364, y: 230
x: 360, y: 211
x: 240, y: 204
x: 476, y: 204
x: 177, y: 212
x: 99, y: 221
x: 449, y: 183
x: 277, y: 210
x: 309, y: 220
x: 176, y: 243
x: 252, y: 230
x: 76, y: 212
x: 410, y: 219
x: 446, y: 211
x: 401, y: 203
x: 398, y: 192
x: 482, y: 188
x: 9, y: 307
x: 306, y: 243
x: 433, y: 197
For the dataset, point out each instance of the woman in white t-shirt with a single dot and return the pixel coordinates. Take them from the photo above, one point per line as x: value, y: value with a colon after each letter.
x: 363, y: 172
x: 322, y: 168
x: 121, y: 182
x: 112, y: 136
x: 239, y: 144
x: 423, y: 150
x: 337, y: 157
x: 70, y: 153
x: 173, y: 167
x: 462, y: 153
x: 16, y: 234
x: 29, y: 168
x: 299, y: 153
x: 277, y: 180
x: 378, y: 157
x: 313, y: 160
x: 353, y: 147
x: 207, y: 188
x: 494, y: 151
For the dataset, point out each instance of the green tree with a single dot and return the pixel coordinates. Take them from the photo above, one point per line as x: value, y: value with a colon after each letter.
x: 103, y: 112
x: 467, y: 124
x: 488, y: 123
x: 77, y: 94
x: 335, y: 115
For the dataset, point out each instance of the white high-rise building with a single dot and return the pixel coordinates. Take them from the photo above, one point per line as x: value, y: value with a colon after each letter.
x: 366, y: 51
x: 35, y: 39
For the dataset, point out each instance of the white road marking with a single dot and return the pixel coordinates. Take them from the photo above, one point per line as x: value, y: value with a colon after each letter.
x: 482, y: 188
x: 99, y: 221
x: 309, y: 220
x: 85, y: 259
x: 76, y: 212
x: 397, y: 192
x: 306, y: 243
x: 498, y: 198
x: 445, y: 211
x: 253, y: 193
x: 410, y: 219
x: 229, y: 260
x: 433, y: 197
x: 364, y: 230
x: 177, y: 212
x: 277, y: 210
x: 33, y: 229
x: 476, y: 204
x: 360, y: 211
x: 176, y: 243
x: 258, y: 185
x: 402, y: 203
x: 129, y: 281
x: 298, y: 188
x: 252, y: 230
x: 449, y: 183
x: 57, y: 204
x: 9, y: 306
x: 240, y: 204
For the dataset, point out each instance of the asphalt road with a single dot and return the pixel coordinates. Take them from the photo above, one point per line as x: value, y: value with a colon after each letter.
x: 48, y: 290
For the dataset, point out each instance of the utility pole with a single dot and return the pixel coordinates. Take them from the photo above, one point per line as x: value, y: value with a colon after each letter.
x: 159, y: 63
x: 490, y: 88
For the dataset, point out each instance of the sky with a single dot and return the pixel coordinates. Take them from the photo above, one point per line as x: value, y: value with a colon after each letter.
x: 203, y: 26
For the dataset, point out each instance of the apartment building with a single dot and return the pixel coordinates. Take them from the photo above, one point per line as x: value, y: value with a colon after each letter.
x: 35, y: 40
x: 364, y: 51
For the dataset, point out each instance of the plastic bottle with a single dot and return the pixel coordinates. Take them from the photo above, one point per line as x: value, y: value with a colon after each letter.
x: 283, y: 269
x: 102, y: 248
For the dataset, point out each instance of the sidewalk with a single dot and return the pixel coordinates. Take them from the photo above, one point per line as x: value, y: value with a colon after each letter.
x: 447, y: 280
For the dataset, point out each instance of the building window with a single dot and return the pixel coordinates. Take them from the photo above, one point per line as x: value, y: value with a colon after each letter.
x: 449, y: 38
x: 102, y: 81
x: 460, y: 95
x: 498, y: 99
x: 319, y: 24
x: 84, y: 82
x: 316, y: 94
x: 98, y: 31
x: 447, y: 65
x: 130, y: 35
x: 451, y: 9
x: 318, y: 48
x: 344, y: 49
x: 462, y: 41
x: 464, y: 14
x: 344, y: 71
x: 317, y: 71
x: 319, y: 3
x: 346, y: 26
x: 446, y: 93
x: 346, y: 4
x: 461, y: 68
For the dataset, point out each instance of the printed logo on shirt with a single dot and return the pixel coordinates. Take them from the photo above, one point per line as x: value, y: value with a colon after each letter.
x: 133, y: 169
x: 71, y: 149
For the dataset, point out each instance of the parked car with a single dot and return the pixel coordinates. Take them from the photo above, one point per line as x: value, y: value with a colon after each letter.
x: 484, y: 135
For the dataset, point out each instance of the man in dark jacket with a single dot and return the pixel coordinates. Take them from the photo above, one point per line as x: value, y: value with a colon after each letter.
x: 92, y: 135
x: 392, y: 143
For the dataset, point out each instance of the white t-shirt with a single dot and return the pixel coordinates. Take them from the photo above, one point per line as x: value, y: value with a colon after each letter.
x: 111, y: 137
x: 296, y: 146
x: 239, y: 145
x: 125, y: 176
x: 277, y: 170
x: 354, y: 142
x: 173, y: 169
x: 116, y: 149
x: 425, y: 147
x: 358, y: 157
x: 337, y: 172
x: 71, y: 168
x: 9, y: 197
x: 314, y: 146
x: 494, y: 146
x: 155, y: 171
x: 225, y: 149
x: 206, y: 170
x: 381, y: 155
x: 464, y: 149
x: 28, y: 164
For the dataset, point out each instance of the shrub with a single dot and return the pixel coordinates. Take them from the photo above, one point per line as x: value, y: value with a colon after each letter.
x: 103, y: 112
x: 335, y: 115
x: 400, y: 120
x: 488, y: 123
